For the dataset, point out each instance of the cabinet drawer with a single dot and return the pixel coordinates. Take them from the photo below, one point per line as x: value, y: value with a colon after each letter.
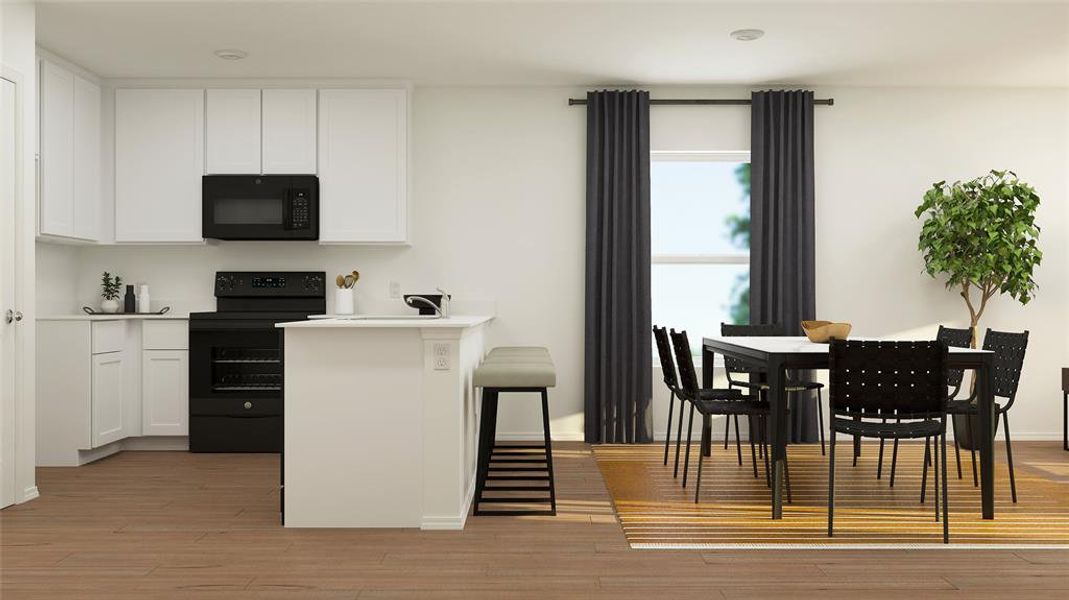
x: 165, y: 335
x: 108, y: 336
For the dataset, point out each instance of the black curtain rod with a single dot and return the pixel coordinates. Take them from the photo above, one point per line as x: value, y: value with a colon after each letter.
x: 702, y: 102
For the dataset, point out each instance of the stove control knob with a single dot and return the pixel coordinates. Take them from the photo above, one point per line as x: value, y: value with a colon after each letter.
x: 223, y: 282
x: 248, y: 405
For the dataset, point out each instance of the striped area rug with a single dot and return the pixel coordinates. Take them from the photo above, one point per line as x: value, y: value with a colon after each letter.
x: 734, y: 507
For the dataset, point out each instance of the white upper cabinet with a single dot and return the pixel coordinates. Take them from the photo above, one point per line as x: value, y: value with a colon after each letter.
x: 363, y: 166
x: 87, y: 190
x: 159, y: 162
x: 56, y: 211
x: 289, y: 132
x: 70, y: 154
x: 233, y: 132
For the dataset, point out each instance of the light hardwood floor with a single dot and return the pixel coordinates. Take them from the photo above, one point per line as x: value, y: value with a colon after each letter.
x: 176, y: 525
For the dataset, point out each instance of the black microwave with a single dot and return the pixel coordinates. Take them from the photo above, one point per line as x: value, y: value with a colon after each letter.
x: 260, y: 207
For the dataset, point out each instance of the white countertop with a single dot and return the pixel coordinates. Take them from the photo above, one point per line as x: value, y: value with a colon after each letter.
x: 377, y: 321
x: 173, y: 316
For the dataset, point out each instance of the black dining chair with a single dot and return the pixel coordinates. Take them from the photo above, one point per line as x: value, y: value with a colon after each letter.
x: 954, y: 338
x: 671, y: 381
x: 873, y: 379
x: 738, y: 372
x: 1008, y: 361
x: 713, y: 402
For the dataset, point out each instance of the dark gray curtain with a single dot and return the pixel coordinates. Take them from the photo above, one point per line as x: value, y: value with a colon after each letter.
x: 782, y: 266
x: 618, y: 353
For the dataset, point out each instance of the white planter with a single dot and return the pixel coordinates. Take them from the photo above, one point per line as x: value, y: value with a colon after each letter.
x: 343, y: 302
x: 109, y: 306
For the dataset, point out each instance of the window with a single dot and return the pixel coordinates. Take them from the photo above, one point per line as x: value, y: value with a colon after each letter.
x: 700, y: 241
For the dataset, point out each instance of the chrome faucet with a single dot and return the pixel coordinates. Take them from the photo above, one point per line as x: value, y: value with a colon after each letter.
x: 444, y: 309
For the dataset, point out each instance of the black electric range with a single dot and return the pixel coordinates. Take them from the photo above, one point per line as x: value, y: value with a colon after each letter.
x: 236, y: 358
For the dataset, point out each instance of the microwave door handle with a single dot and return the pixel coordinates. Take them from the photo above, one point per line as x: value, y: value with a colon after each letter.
x: 287, y: 210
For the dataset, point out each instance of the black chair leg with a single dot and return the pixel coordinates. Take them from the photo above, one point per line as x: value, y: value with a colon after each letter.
x: 820, y: 420
x: 935, y: 475
x: 831, y: 485
x: 946, y: 499
x: 894, y: 461
x: 738, y: 443
x: 706, y: 428
x: 957, y: 456
x: 787, y: 478
x: 679, y: 436
x: 727, y: 431
x: 1009, y: 457
x: 668, y: 431
x: 549, y: 451
x: 924, y: 472
x: 879, y: 463
x: 753, y: 448
x: 686, y: 460
x: 968, y: 425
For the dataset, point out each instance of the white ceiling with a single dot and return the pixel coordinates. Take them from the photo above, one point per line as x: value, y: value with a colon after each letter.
x: 572, y: 43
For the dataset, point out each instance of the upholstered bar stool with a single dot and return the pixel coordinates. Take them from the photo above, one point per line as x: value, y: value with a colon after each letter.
x: 501, y: 467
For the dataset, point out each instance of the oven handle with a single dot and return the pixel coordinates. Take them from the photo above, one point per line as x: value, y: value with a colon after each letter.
x: 207, y: 325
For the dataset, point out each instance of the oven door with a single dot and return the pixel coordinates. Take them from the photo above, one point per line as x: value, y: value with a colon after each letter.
x: 235, y: 386
x: 260, y: 207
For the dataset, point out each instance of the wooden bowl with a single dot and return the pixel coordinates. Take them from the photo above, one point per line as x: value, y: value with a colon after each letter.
x: 822, y: 332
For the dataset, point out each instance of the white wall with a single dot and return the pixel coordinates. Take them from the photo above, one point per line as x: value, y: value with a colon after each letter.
x: 498, y: 211
x: 17, y: 40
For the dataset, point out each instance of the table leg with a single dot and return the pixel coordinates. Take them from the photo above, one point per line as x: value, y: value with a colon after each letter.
x: 778, y: 433
x: 1065, y: 420
x: 707, y: 382
x: 987, y: 442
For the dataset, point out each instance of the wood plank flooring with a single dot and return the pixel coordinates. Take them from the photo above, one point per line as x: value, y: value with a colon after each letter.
x: 656, y: 511
x: 151, y: 525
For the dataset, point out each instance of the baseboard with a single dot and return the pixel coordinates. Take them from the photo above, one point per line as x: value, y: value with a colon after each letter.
x: 29, y: 493
x: 168, y: 443
x: 452, y: 523
x: 536, y: 436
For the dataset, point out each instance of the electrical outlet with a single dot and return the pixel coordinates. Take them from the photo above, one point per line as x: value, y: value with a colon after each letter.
x: 395, y: 289
x: 441, y: 350
x: 441, y: 363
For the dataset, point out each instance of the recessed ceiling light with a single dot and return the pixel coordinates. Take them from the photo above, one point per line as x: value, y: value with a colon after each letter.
x: 231, y: 54
x: 747, y: 35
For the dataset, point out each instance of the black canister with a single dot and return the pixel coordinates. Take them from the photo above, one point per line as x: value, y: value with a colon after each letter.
x: 130, y: 301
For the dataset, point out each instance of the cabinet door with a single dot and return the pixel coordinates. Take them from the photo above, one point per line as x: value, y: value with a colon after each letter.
x: 159, y: 163
x: 233, y: 141
x: 363, y: 162
x: 108, y: 412
x: 86, y: 159
x: 56, y: 211
x: 165, y: 392
x: 289, y: 132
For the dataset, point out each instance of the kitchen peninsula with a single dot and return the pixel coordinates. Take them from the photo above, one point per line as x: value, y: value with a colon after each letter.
x: 380, y: 421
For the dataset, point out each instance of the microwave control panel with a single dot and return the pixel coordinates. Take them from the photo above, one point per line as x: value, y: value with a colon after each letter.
x: 300, y: 210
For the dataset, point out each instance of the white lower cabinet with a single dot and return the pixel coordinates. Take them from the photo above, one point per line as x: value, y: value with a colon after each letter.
x: 165, y: 392
x: 104, y: 381
x: 109, y: 414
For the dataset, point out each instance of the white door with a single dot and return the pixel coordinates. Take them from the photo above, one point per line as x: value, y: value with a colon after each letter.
x: 159, y: 164
x: 8, y: 172
x: 233, y: 137
x: 289, y: 132
x: 165, y: 392
x: 363, y: 161
x: 107, y: 399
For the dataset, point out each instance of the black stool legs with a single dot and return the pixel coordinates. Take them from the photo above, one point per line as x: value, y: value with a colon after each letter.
x: 513, y: 463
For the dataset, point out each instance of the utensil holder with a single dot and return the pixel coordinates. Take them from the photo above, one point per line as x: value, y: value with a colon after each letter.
x: 343, y: 301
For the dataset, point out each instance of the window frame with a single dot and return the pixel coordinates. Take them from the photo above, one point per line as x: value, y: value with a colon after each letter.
x: 718, y: 258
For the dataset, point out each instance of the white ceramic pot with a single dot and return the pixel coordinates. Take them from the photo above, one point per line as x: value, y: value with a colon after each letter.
x: 109, y: 306
x: 343, y: 302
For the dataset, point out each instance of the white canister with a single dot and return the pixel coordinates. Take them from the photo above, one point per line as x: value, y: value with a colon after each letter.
x: 144, y: 302
x: 343, y: 301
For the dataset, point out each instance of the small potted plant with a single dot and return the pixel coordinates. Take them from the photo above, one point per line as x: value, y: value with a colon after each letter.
x: 109, y: 290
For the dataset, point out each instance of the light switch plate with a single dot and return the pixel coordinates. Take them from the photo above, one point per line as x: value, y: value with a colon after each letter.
x: 395, y: 289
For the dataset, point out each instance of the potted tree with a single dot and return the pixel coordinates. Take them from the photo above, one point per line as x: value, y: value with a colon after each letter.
x: 981, y: 235
x: 109, y: 292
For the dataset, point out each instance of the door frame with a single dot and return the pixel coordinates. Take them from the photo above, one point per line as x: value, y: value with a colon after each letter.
x: 23, y: 415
